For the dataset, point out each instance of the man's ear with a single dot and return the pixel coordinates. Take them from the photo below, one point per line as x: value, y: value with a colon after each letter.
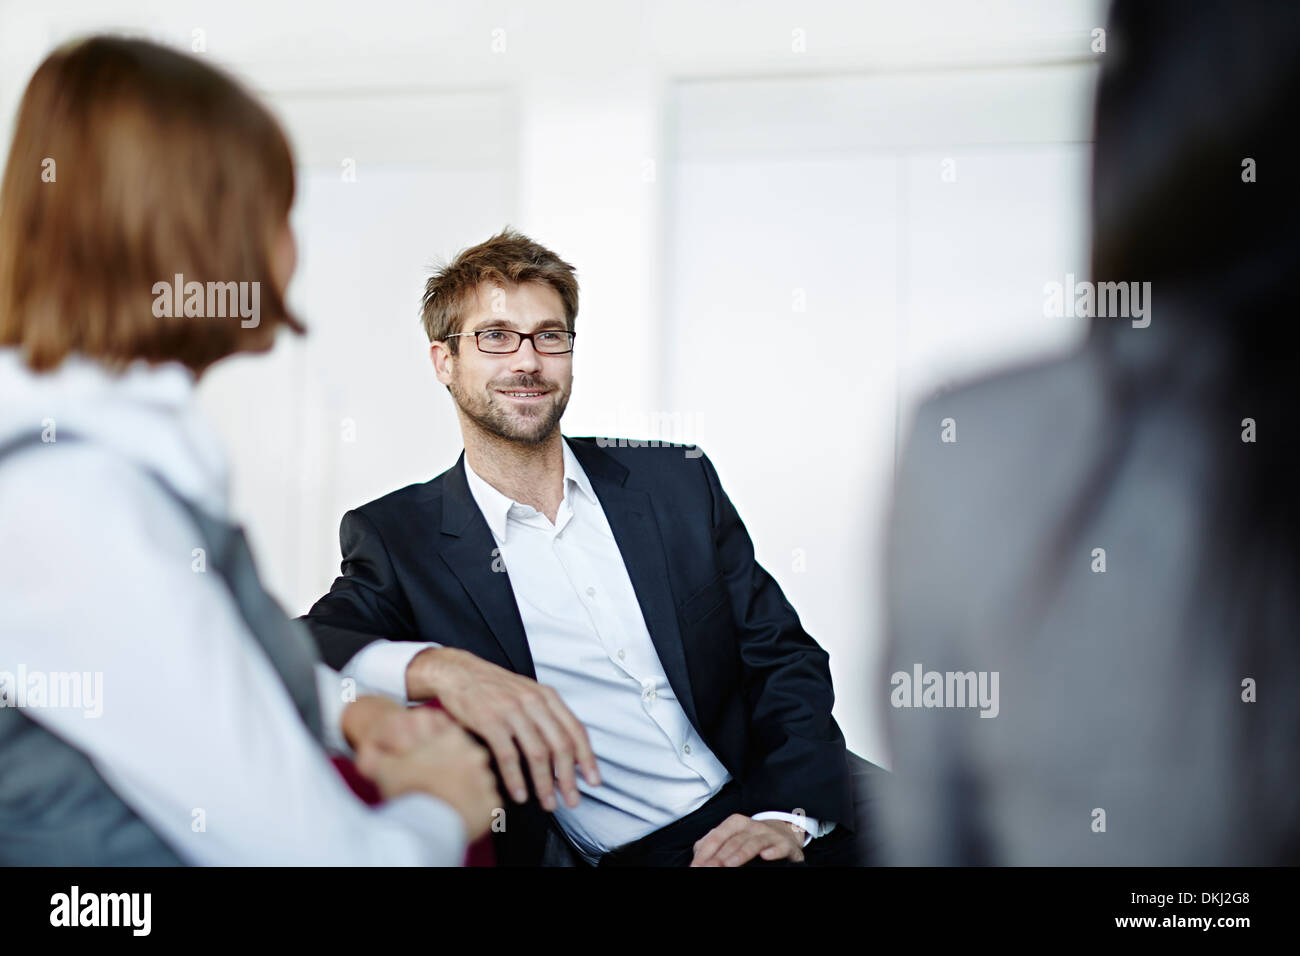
x: 442, y: 358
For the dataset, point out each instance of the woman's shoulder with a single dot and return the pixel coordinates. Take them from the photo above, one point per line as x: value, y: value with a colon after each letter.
x: 72, y: 498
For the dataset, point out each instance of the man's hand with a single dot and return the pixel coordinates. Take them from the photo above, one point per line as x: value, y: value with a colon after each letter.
x: 738, y: 839
x: 422, y: 750
x: 514, y: 715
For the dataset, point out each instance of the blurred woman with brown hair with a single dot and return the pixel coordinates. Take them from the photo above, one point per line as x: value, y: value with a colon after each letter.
x: 159, y: 707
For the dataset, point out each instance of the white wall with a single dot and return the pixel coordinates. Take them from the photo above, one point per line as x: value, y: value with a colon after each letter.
x: 770, y: 255
x: 839, y: 247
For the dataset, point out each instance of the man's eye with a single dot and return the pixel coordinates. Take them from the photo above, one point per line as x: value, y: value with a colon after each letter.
x: 495, y: 336
x: 549, y: 336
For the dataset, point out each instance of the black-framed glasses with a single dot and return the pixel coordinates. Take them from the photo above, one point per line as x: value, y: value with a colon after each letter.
x: 505, y: 341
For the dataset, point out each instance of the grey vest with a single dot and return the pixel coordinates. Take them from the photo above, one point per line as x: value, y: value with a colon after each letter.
x: 55, y: 808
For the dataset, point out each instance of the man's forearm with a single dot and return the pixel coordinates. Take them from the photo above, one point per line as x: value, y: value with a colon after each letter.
x: 811, y: 827
x: 338, y: 640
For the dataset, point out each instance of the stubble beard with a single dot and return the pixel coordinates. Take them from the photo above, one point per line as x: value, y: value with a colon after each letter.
x: 524, y: 426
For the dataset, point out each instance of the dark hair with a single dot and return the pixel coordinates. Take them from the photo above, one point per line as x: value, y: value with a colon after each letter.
x: 1195, y: 100
x: 509, y: 258
x: 1191, y: 95
x: 162, y: 165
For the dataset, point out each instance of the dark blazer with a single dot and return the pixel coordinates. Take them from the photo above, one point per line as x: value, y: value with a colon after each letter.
x: 418, y: 565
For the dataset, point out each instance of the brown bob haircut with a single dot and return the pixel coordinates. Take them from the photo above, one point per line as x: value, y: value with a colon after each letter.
x: 508, y: 258
x: 132, y: 163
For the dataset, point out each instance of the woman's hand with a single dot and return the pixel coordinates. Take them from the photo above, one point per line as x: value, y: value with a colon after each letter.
x: 425, y: 751
x: 364, y: 716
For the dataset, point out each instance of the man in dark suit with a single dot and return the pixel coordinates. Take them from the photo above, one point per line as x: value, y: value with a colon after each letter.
x: 591, y: 609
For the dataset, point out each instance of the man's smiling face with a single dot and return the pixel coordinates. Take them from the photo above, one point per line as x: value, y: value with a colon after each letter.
x: 519, y: 396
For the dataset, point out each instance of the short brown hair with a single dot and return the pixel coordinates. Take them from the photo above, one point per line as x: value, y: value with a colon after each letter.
x: 162, y: 165
x: 509, y: 257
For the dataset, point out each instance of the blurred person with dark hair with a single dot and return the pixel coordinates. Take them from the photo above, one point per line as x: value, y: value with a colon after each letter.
x: 1114, y: 535
x: 158, y: 706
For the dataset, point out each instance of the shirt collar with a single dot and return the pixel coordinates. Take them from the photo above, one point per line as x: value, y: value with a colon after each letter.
x: 573, y: 474
x: 496, y: 506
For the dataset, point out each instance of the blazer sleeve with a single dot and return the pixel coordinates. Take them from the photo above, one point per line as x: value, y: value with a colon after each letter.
x: 796, y: 756
x: 365, y: 603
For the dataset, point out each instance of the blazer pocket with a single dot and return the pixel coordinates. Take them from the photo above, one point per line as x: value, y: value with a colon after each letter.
x: 703, y: 602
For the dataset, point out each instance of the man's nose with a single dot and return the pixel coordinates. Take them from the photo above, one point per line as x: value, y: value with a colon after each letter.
x: 526, y: 359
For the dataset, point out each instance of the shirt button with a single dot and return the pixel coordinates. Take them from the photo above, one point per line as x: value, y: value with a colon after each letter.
x: 686, y: 749
x: 621, y: 653
x: 648, y: 692
x: 591, y: 592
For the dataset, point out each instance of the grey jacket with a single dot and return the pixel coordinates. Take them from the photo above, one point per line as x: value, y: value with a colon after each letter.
x: 1121, y: 735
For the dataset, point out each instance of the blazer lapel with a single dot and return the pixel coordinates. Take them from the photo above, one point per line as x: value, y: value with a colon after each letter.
x: 632, y: 520
x: 470, y: 552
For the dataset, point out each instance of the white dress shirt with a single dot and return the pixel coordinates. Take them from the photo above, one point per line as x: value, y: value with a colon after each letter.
x: 589, y: 641
x: 196, y: 733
